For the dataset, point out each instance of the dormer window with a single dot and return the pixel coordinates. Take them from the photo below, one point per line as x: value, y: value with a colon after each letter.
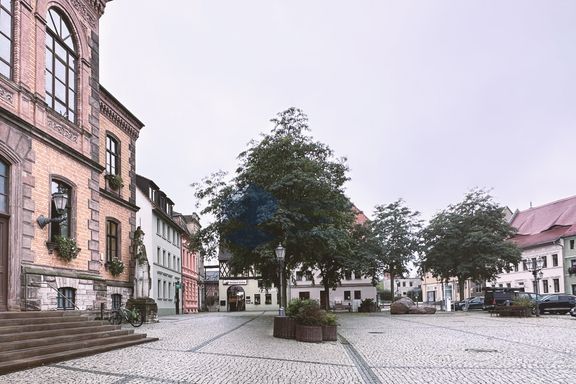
x: 61, y: 59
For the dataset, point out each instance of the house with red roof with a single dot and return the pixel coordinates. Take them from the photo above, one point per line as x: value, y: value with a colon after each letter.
x: 547, y: 232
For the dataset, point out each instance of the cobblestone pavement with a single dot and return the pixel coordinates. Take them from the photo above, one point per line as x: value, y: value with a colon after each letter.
x: 462, y: 347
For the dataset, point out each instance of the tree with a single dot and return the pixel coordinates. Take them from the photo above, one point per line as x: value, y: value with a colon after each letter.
x: 287, y: 189
x: 469, y: 240
x: 396, y: 233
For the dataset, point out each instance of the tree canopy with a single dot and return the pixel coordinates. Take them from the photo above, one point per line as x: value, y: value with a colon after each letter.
x: 287, y: 189
x: 469, y: 240
x: 396, y: 235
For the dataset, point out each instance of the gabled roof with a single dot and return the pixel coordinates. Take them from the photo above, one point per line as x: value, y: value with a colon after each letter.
x: 546, y: 223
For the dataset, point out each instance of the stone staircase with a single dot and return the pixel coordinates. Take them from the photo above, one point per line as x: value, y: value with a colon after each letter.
x: 30, y: 339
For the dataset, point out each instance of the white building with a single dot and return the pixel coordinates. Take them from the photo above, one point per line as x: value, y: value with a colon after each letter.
x: 162, y: 239
x: 349, y: 294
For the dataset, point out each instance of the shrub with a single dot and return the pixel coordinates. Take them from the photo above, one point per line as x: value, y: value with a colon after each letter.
x: 306, y: 312
x: 330, y: 319
x: 368, y: 305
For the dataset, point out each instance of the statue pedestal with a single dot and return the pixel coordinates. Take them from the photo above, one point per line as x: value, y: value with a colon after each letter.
x: 147, y: 306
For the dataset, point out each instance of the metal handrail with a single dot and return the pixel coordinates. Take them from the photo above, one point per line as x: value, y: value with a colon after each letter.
x: 65, y: 298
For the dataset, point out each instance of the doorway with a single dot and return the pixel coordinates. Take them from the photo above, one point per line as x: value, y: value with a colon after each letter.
x: 236, y: 299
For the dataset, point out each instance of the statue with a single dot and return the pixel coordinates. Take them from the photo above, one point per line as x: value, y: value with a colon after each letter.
x: 142, y: 279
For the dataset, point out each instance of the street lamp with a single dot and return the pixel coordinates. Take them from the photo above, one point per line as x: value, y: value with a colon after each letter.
x: 535, y: 266
x: 60, y: 199
x: 280, y: 254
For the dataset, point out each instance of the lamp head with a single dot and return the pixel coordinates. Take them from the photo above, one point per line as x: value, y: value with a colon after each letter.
x: 280, y: 252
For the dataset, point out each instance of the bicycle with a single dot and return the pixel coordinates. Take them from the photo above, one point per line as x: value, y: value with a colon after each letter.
x: 132, y: 316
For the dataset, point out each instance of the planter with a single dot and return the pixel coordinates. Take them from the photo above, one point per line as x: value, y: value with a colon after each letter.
x: 329, y: 333
x: 309, y: 333
x: 284, y: 327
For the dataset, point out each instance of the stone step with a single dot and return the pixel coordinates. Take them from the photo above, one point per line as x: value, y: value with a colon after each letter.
x: 37, y: 314
x: 41, y: 320
x: 53, y: 348
x: 34, y: 361
x: 6, y: 338
x: 49, y: 339
x: 50, y: 326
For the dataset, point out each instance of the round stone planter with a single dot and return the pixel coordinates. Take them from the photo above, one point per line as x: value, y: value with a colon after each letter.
x: 284, y: 327
x: 309, y: 333
x: 329, y: 333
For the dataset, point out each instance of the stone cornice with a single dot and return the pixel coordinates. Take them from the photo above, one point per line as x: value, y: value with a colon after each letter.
x: 119, y: 115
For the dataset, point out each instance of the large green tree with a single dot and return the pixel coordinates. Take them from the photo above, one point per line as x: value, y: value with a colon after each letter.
x: 396, y: 235
x: 469, y: 240
x: 287, y: 189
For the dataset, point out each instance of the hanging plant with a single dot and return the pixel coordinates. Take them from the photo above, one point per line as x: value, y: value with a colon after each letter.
x: 116, y: 266
x: 66, y: 247
x: 115, y: 181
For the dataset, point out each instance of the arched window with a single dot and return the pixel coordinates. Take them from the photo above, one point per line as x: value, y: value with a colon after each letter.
x: 112, y: 156
x: 60, y: 66
x: 5, y: 37
x: 61, y: 228
x: 66, y: 298
x: 111, y: 240
x: 4, y: 187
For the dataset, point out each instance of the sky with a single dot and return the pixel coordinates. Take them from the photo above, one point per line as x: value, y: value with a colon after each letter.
x: 425, y: 99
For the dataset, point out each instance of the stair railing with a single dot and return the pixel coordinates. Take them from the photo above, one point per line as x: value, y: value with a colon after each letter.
x: 64, y: 297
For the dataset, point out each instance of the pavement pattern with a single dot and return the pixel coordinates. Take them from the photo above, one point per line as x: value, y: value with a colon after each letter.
x: 456, y: 347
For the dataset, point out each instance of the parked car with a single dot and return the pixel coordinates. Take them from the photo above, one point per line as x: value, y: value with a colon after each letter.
x: 559, y: 303
x: 473, y: 303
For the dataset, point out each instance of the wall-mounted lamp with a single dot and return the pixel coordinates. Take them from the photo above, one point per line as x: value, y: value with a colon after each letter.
x: 60, y: 199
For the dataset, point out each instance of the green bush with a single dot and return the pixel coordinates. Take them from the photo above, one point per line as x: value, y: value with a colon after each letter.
x: 306, y: 312
x: 330, y: 319
x: 368, y: 305
x: 67, y: 247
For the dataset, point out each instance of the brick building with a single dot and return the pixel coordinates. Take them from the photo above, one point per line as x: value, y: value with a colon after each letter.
x: 63, y: 139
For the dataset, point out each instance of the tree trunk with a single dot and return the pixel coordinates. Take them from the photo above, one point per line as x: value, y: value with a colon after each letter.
x: 461, y: 284
x: 392, y: 290
x: 327, y: 297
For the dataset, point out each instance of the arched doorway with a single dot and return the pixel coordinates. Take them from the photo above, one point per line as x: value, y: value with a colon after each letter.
x: 236, y: 299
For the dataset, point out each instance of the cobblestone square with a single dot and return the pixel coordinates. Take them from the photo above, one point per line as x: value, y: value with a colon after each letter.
x: 461, y: 347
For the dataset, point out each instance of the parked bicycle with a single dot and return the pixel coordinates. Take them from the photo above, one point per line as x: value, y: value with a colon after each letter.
x: 132, y: 316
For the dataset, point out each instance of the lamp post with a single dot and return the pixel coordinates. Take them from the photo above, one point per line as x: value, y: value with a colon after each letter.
x: 280, y: 254
x: 60, y: 199
x: 535, y: 266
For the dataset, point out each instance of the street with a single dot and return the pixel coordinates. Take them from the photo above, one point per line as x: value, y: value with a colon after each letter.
x: 456, y: 347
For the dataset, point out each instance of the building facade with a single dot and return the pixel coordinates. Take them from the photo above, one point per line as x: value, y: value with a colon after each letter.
x: 546, y: 232
x: 67, y: 162
x: 191, y: 264
x: 349, y: 294
x: 244, y: 291
x: 163, y: 240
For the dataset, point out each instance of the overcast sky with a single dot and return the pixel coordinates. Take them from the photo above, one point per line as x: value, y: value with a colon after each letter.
x: 426, y: 99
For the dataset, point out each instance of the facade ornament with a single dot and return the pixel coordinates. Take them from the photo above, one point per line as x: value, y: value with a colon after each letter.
x: 6, y: 95
x: 63, y: 130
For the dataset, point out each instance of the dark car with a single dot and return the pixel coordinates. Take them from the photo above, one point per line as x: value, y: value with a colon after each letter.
x: 561, y: 304
x: 473, y: 303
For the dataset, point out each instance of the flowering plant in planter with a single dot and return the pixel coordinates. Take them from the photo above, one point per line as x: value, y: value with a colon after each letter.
x: 114, y: 181
x: 115, y: 266
x: 67, y: 247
